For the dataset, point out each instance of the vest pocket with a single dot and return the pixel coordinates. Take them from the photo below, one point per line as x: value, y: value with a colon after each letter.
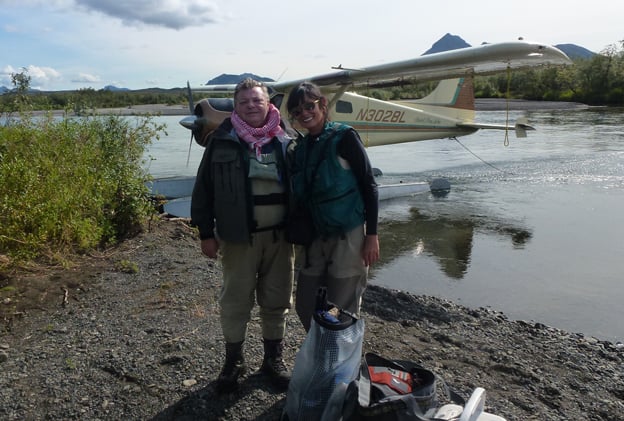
x: 263, y: 170
x: 228, y: 176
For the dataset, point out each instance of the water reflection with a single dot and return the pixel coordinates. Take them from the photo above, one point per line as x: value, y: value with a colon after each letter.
x: 447, y: 239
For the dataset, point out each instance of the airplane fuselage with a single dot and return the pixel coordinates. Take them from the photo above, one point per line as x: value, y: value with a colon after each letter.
x: 385, y: 122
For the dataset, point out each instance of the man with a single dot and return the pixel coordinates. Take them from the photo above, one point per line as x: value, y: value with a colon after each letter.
x: 239, y: 205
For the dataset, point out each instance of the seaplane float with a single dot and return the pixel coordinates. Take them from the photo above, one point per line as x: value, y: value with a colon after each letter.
x: 447, y: 112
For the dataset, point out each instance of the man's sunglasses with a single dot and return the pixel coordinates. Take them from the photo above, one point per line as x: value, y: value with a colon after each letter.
x: 308, y: 106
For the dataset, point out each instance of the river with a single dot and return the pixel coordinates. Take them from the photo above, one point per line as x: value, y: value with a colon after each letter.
x: 533, y: 228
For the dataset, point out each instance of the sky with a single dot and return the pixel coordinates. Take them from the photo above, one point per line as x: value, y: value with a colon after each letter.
x: 137, y: 44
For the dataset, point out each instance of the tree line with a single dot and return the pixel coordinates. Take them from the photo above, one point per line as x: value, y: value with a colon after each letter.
x: 598, y: 80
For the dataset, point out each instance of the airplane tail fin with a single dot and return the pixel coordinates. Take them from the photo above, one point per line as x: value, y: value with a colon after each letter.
x: 452, y: 98
x: 453, y: 93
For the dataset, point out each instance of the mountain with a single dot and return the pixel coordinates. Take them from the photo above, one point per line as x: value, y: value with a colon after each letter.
x: 575, y: 52
x: 446, y: 43
x: 114, y: 88
x: 453, y: 42
x: 228, y: 79
x: 3, y: 90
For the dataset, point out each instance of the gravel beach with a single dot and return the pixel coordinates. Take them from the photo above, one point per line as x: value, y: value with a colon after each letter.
x: 132, y: 333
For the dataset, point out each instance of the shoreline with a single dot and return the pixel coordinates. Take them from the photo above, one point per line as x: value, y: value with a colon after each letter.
x: 481, y: 104
x: 501, y: 104
x: 134, y: 333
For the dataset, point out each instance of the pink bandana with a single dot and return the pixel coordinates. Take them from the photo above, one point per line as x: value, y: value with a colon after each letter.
x: 257, y: 137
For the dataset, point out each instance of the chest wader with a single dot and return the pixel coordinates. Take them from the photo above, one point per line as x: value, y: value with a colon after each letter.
x: 232, y: 167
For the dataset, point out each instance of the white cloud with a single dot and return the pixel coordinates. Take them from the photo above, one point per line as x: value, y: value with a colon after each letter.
x: 139, y: 43
x: 173, y: 14
x: 10, y: 28
x: 39, y: 76
x: 86, y: 78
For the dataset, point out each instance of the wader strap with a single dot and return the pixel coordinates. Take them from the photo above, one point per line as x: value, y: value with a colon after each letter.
x: 270, y: 199
x: 275, y: 227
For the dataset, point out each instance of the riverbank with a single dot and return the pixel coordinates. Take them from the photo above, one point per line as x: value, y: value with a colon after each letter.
x: 501, y: 104
x: 482, y: 104
x: 133, y: 333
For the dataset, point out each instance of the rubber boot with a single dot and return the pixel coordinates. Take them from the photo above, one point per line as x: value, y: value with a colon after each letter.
x: 233, y: 368
x: 273, y: 364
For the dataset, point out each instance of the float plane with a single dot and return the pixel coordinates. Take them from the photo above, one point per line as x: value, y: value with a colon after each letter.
x: 447, y: 112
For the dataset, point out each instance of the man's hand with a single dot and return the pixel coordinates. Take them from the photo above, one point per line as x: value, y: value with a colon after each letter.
x: 210, y: 247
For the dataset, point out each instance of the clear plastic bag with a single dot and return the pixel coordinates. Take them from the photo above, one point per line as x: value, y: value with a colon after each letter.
x: 327, y: 362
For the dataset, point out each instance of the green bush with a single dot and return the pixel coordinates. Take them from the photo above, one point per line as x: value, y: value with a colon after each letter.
x: 72, y: 184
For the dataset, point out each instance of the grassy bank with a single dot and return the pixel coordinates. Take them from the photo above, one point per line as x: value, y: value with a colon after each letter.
x: 69, y: 185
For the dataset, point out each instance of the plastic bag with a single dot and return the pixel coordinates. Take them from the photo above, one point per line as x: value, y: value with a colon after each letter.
x: 327, y: 362
x: 387, y: 398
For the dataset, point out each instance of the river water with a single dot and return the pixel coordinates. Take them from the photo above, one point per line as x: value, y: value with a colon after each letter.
x: 533, y: 229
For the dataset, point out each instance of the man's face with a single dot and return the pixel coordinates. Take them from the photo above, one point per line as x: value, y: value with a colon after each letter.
x: 252, y: 106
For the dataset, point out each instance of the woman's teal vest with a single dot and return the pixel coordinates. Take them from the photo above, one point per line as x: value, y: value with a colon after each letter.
x: 324, y: 186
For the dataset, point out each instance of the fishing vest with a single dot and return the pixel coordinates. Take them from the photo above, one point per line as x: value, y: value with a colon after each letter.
x: 249, y: 194
x: 327, y: 189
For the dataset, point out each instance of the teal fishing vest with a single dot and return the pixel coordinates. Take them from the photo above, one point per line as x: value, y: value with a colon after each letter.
x: 327, y: 189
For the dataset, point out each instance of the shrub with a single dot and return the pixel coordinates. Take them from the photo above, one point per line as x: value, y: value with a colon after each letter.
x: 70, y: 185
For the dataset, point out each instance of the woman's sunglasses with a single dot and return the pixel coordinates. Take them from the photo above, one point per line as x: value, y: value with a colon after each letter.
x: 308, y: 106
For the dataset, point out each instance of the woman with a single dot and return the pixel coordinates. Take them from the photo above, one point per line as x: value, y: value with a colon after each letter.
x: 332, y: 176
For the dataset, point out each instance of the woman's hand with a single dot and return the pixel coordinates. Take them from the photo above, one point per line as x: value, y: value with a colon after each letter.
x: 370, y: 250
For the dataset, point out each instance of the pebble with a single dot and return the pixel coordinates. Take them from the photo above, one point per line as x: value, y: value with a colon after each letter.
x: 123, y: 373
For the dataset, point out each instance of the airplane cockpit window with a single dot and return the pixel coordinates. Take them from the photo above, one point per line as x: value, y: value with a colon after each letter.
x: 222, y: 104
x: 344, y: 107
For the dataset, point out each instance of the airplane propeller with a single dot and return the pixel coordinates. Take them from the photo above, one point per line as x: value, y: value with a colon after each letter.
x: 190, y: 122
x: 190, y: 97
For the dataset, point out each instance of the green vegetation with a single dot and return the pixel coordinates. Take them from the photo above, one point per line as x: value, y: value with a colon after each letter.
x: 69, y: 185
x: 595, y: 81
x: 127, y: 266
x: 82, y: 100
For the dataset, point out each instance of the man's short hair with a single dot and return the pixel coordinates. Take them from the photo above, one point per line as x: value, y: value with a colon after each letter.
x: 249, y: 83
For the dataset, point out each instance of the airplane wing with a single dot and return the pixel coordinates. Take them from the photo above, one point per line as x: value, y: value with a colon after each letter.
x: 481, y: 60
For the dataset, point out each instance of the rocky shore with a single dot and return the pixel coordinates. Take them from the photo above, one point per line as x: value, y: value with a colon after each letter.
x: 133, y: 333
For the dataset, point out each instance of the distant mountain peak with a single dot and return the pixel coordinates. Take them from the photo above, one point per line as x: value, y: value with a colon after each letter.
x: 230, y: 79
x: 453, y: 42
x: 114, y: 88
x: 446, y: 43
x: 575, y: 51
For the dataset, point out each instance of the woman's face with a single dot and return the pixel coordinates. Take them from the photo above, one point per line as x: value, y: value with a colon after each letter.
x: 310, y: 115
